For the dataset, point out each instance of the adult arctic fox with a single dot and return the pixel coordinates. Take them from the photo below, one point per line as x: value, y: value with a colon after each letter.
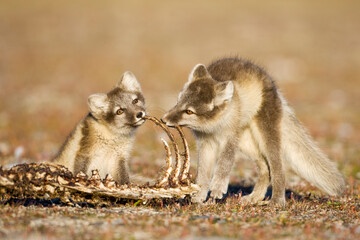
x: 104, y: 138
x: 233, y: 105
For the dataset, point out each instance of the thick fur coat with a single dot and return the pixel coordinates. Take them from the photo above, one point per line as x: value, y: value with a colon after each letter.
x: 232, y: 106
x: 103, y: 139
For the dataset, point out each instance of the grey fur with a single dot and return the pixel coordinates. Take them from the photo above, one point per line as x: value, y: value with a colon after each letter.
x: 104, y: 138
x: 236, y: 106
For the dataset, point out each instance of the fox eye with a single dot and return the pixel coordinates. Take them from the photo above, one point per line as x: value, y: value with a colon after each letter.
x: 135, y: 101
x: 189, y: 112
x: 119, y: 111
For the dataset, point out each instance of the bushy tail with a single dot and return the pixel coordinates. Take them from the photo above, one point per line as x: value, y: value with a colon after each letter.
x: 307, y: 160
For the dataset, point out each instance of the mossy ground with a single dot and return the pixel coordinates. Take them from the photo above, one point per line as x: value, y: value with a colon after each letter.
x: 55, y: 54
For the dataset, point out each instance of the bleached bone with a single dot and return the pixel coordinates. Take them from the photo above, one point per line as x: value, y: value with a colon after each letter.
x: 185, y: 176
x: 176, y: 171
x: 37, y: 180
x: 169, y: 169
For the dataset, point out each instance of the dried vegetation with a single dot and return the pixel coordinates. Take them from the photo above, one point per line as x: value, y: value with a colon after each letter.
x: 54, y: 54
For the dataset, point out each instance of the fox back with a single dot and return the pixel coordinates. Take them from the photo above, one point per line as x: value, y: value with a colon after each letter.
x: 234, y: 105
x: 227, y: 93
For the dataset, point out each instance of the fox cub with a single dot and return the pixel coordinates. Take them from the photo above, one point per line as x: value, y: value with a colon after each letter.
x: 234, y: 106
x: 104, y: 138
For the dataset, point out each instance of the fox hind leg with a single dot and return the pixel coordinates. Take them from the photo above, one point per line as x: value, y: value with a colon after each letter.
x: 271, y: 140
x: 261, y: 185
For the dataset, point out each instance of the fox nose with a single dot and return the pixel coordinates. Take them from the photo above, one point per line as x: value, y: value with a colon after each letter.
x: 140, y: 114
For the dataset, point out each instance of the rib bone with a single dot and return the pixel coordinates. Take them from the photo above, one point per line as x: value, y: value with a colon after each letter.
x: 36, y: 180
x: 169, y: 169
x: 185, y: 176
x: 176, y: 172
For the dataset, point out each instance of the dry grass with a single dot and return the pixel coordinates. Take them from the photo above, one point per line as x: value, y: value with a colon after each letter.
x: 304, y: 218
x: 55, y: 54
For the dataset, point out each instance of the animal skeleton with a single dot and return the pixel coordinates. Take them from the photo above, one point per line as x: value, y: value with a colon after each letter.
x: 49, y: 181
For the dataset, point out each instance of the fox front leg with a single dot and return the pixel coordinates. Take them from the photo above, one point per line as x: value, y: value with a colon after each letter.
x: 120, y: 172
x: 220, y: 180
x: 206, y: 161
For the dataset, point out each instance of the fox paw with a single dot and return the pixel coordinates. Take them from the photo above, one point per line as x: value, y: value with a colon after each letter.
x: 251, y: 199
x: 199, y: 197
x: 217, y: 194
x: 218, y: 189
x: 277, y: 202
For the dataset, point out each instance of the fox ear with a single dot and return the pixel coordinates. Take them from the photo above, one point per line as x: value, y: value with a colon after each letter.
x: 129, y: 82
x: 199, y: 71
x: 223, y: 92
x: 98, y: 104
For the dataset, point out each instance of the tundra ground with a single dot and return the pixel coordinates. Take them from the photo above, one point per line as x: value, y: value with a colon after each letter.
x: 55, y: 54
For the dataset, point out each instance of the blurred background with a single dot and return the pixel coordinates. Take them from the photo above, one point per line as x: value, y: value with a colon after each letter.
x: 54, y: 54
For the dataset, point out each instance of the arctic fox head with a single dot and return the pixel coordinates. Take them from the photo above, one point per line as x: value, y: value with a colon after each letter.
x: 123, y: 108
x: 202, y: 102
